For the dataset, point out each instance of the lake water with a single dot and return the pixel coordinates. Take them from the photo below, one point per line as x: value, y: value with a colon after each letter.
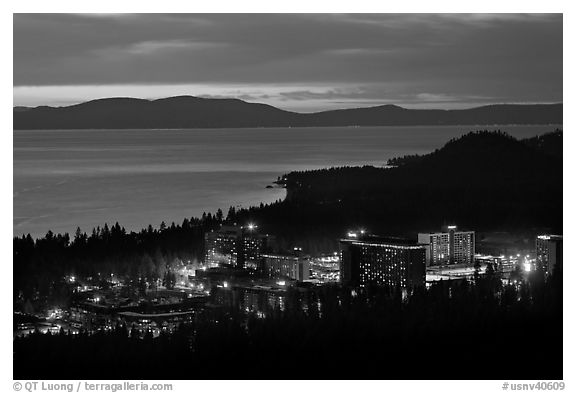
x: 65, y: 179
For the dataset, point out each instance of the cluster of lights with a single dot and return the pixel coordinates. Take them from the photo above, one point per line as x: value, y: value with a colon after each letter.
x: 335, y: 258
x: 354, y: 234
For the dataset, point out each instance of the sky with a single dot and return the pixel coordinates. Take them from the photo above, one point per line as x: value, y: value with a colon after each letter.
x: 299, y: 62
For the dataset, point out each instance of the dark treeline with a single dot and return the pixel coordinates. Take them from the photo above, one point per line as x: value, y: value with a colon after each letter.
x: 483, y: 181
x: 407, y: 159
x: 550, y: 143
x: 41, y: 264
x: 454, y: 330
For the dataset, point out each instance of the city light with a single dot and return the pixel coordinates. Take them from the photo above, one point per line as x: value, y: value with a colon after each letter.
x: 251, y: 226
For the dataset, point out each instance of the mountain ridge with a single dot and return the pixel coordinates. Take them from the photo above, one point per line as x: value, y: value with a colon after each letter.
x: 198, y: 112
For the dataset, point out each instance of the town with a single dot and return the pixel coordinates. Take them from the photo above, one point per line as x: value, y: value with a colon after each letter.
x: 246, y: 271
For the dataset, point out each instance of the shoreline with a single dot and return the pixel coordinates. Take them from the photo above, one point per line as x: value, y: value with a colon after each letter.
x: 293, y: 127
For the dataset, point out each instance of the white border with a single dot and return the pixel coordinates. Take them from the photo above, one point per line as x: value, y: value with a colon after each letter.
x: 298, y: 6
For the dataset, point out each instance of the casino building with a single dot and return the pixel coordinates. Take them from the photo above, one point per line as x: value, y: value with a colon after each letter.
x: 384, y: 261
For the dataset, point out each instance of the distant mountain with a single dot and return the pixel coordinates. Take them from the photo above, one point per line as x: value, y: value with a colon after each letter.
x: 194, y: 112
x: 21, y: 108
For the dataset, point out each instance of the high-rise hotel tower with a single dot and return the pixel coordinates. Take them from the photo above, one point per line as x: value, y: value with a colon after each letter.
x: 449, y: 246
x: 373, y: 260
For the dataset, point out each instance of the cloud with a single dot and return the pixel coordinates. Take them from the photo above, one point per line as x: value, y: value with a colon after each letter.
x: 154, y: 47
x: 324, y: 56
x: 357, y: 51
x: 442, y: 98
x: 326, y: 94
x: 139, y: 51
x: 486, y: 19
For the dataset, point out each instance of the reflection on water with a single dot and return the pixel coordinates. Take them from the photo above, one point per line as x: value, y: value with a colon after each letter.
x: 65, y: 179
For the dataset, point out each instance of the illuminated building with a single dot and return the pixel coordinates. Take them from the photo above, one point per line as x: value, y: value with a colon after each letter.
x: 251, y: 297
x: 235, y: 246
x: 252, y: 246
x: 449, y: 246
x: 296, y: 267
x: 261, y: 298
x: 549, y: 252
x: 222, y: 246
x: 325, y: 268
x: 391, y: 262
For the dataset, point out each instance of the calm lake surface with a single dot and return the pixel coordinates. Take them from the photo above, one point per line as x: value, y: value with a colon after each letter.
x: 66, y: 179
